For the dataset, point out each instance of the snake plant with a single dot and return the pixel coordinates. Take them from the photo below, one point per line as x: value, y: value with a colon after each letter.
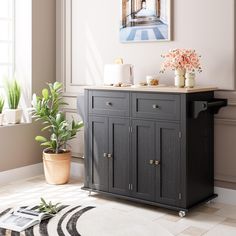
x: 48, y: 109
x: 13, y: 91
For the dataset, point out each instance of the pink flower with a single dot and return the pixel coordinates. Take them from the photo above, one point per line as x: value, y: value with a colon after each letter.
x: 181, y: 59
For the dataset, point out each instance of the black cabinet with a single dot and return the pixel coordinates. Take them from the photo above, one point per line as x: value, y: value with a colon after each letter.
x: 155, y: 148
x: 156, y: 161
x: 98, y: 147
x: 143, y: 156
x: 109, y: 154
x: 118, y: 155
x: 168, y: 137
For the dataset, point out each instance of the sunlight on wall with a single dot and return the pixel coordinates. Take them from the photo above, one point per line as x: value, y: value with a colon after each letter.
x: 94, y: 62
x: 23, y: 54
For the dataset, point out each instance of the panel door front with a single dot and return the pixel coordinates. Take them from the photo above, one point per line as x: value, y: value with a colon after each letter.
x: 98, y: 145
x: 143, y: 151
x: 168, y: 169
x: 119, y: 142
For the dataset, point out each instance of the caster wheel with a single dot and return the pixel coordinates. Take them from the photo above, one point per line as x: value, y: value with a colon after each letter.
x: 182, y: 214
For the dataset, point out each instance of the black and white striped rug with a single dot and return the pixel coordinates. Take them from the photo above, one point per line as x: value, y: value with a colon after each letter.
x: 66, y: 222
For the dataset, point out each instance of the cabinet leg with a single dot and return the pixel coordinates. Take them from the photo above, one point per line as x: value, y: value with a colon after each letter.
x: 182, y: 214
x: 90, y: 193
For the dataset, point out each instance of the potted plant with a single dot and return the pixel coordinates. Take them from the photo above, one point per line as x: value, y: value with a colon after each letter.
x: 184, y: 62
x: 2, y: 101
x: 13, y: 91
x: 56, y: 157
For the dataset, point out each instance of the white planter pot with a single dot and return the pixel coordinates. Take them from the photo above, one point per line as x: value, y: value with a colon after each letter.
x: 179, y: 78
x: 1, y: 119
x: 190, y: 80
x: 13, y: 116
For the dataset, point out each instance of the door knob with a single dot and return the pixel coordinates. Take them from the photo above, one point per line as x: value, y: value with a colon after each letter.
x: 109, y: 155
x: 157, y: 163
x: 151, y: 162
x: 105, y: 154
x: 155, y: 106
x: 108, y: 103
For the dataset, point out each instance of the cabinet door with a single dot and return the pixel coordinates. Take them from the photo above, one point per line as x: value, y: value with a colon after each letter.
x: 119, y: 161
x: 168, y: 171
x: 98, y: 145
x: 143, y: 150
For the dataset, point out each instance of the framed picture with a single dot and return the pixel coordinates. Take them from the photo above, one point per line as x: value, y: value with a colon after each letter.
x: 145, y: 20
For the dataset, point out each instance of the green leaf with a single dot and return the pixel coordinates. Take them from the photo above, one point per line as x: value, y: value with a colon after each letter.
x: 45, y: 93
x: 40, y: 139
x: 57, y: 85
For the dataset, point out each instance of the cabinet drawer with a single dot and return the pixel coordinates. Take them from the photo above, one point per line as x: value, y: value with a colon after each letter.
x: 109, y: 103
x: 161, y: 106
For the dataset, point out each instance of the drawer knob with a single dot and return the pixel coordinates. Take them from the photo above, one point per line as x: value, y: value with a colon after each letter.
x: 155, y: 106
x: 157, y: 163
x: 151, y: 162
x: 108, y: 103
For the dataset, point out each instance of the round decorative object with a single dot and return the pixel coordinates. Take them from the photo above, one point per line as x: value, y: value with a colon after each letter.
x: 179, y: 78
x: 190, y: 79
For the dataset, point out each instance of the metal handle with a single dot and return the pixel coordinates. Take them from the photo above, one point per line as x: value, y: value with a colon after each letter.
x: 151, y: 162
x: 155, y: 106
x: 105, y: 154
x: 157, y: 163
x: 108, y: 103
x: 109, y: 155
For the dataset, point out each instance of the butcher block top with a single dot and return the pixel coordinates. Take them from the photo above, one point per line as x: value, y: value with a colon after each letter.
x: 159, y: 89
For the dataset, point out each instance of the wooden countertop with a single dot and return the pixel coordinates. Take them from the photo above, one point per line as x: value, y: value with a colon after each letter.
x: 161, y: 89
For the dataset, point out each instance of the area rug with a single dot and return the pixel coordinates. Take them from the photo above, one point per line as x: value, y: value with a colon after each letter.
x: 111, y: 219
x: 64, y: 223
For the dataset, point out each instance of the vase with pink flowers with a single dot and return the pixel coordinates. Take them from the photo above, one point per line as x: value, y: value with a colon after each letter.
x: 184, y: 62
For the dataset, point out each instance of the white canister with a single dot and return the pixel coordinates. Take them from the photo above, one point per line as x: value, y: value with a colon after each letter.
x: 179, y: 78
x: 190, y: 79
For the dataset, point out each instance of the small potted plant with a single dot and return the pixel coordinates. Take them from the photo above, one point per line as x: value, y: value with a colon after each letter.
x: 56, y: 157
x: 2, y: 101
x: 13, y: 91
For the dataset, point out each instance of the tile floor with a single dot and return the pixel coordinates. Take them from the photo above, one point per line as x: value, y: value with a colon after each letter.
x: 210, y: 219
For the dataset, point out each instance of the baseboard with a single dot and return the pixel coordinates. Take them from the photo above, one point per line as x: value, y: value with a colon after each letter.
x: 20, y: 173
x: 227, y: 196
x: 77, y: 170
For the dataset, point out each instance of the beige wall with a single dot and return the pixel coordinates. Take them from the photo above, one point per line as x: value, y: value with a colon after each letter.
x: 205, y: 25
x: 225, y: 142
x: 17, y: 144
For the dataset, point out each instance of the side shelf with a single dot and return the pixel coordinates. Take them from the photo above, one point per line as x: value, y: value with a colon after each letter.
x: 213, y: 106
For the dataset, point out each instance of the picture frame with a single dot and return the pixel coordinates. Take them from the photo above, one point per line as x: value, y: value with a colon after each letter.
x: 145, y: 21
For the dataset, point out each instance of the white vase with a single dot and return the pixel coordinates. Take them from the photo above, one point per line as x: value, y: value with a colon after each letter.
x: 13, y: 116
x: 179, y: 78
x: 1, y: 119
x: 190, y: 79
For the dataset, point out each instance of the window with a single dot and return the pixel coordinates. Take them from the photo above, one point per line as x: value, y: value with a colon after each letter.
x: 7, y: 42
x: 16, y: 48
